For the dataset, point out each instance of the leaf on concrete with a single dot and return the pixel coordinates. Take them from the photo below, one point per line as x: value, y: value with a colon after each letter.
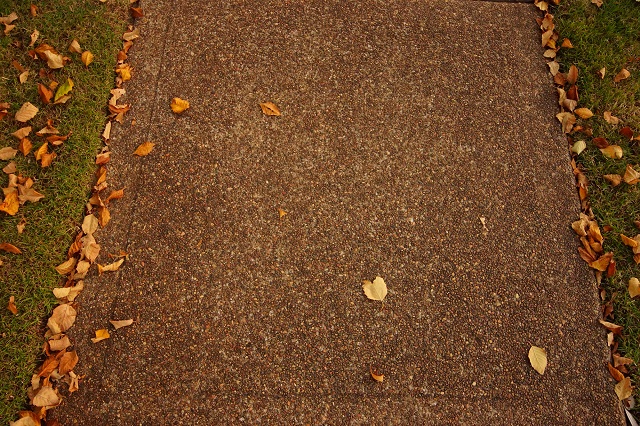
x: 622, y: 75
x: 612, y: 151
x: 624, y: 389
x: 144, y: 149
x: 10, y: 248
x: 634, y: 287
x: 63, y: 89
x: 538, y: 359
x: 131, y: 35
x: 124, y: 71
x: 121, y: 323
x: 101, y: 334
x: 68, y: 362
x: 179, y: 105
x: 376, y: 375
x: 110, y: 267
x: 62, y: 318
x: 69, y: 293
x: 615, y: 373
x: 11, y: 306
x: 269, y: 108
x: 584, y: 113
x: 136, y: 12
x: 26, y: 112
x: 46, y: 397
x: 376, y: 290
x: 554, y: 67
x: 89, y: 224
x: 567, y: 119
x: 631, y: 176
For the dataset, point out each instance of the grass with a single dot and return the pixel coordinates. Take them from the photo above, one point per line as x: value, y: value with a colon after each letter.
x: 53, y: 221
x: 610, y: 37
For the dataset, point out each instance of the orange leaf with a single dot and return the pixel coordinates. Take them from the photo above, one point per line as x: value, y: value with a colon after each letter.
x: 615, y: 373
x: 11, y: 306
x: 11, y: 203
x: 68, y: 362
x: 603, y: 262
x: 144, y: 149
x: 614, y: 328
x: 45, y: 93
x: 269, y: 108
x: 179, y: 105
x: 376, y: 375
x: 115, y: 195
x: 10, y: 248
x: 572, y: 75
x: 622, y: 75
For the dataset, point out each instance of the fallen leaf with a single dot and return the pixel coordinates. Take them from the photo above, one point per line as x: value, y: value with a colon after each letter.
x: 63, y: 89
x: 622, y: 75
x: 584, y: 113
x: 610, y: 118
x: 634, y: 287
x: 131, y: 35
x: 282, y: 213
x: 623, y: 389
x: 45, y: 93
x: 26, y: 112
x: 89, y: 224
x: 124, y: 71
x: 567, y: 119
x: 54, y: 60
x: 602, y: 263
x: 7, y: 153
x: 376, y: 375
x: 615, y: 373
x: 600, y: 142
x: 627, y: 132
x: 566, y: 43
x: 615, y: 180
x: 115, y: 195
x: 10, y: 204
x: 578, y: 147
x: 9, y: 18
x: 179, y: 105
x: 87, y: 58
x: 33, y: 9
x: 136, y: 12
x: 620, y: 360
x: 59, y: 344
x: 597, y: 2
x: 47, y: 159
x: 68, y: 362
x: 44, y: 149
x: 91, y: 251
x: 121, y: 323
x: 103, y: 216
x: 538, y: 359
x: 269, y: 108
x: 549, y: 53
x: 101, y: 334
x: 73, y: 386
x: 62, y: 318
x: 28, y: 194
x: 25, y: 146
x: 110, y: 267
x: 602, y: 72
x: 11, y: 306
x: 23, y: 77
x: 10, y: 248
x: 144, y: 149
x: 572, y: 75
x: 10, y: 168
x: 612, y: 151
x: 67, y: 266
x: 376, y: 290
x: 34, y: 36
x: 107, y: 131
x: 554, y: 67
x: 103, y: 158
x: 8, y: 28
x: 22, y: 132
x: 631, y: 176
x: 46, y: 397
x: 21, y: 225
x: 614, y: 328
x: 75, y: 47
x: 628, y: 241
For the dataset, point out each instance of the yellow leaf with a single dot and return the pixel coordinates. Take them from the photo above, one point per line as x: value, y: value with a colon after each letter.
x: 63, y: 89
x: 631, y: 176
x: 622, y: 75
x: 75, y: 47
x: 624, y: 389
x: 144, y: 149
x: 269, y: 108
x: 538, y: 359
x: 124, y: 71
x: 110, y: 267
x: 66, y: 267
x: 87, y: 58
x: 54, y: 60
x: 376, y: 290
x: 131, y: 35
x: 612, y: 151
x: 584, y: 113
x: 634, y: 287
x: 566, y: 43
x: 121, y: 323
x: 179, y: 105
x: 578, y: 147
x: 26, y: 112
x: 23, y: 76
x: 101, y: 334
x: 10, y: 204
x: 602, y: 262
x: 628, y: 241
x: 282, y: 213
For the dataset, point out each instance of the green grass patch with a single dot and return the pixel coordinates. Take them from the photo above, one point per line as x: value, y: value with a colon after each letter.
x: 609, y: 37
x: 66, y: 184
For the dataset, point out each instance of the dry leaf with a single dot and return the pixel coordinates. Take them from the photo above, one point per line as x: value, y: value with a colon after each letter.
x: 549, y: 53
x: 538, y: 359
x: 67, y: 267
x: 124, y: 71
x: 101, y: 334
x: 602, y: 72
x: 23, y: 77
x: 9, y: 18
x: 566, y: 43
x: 614, y: 328
x: 622, y: 75
x: 10, y: 248
x: 282, y: 213
x: 631, y: 176
x: 62, y: 318
x: 110, y: 267
x: 75, y: 47
x: 578, y: 147
x: 376, y: 375
x: 28, y: 194
x: 21, y: 225
x: 615, y: 373
x: 59, y: 344
x: 10, y: 204
x: 25, y: 146
x: 584, y: 113
x: 627, y: 132
x: 567, y: 119
x: 11, y: 306
x: 115, y: 195
x: 554, y: 67
x: 121, y: 323
x: 87, y: 58
x: 131, y: 35
x: 144, y: 149
x: 103, y: 216
x: 107, y: 131
x: 26, y: 112
x: 610, y: 118
x: 68, y: 362
x: 615, y: 180
x: 22, y: 132
x: 624, y: 389
x: 634, y: 287
x: 7, y: 153
x: 376, y: 290
x: 603, y: 262
x: 269, y: 108
x: 597, y: 2
x: 54, y: 60
x: 572, y: 75
x: 612, y: 151
x: 10, y: 168
x: 103, y: 158
x: 89, y: 224
x: 628, y: 241
x: 34, y: 36
x: 46, y: 397
x: 179, y: 105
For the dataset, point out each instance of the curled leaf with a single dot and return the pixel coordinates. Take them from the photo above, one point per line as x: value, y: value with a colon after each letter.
x: 634, y: 287
x: 110, y: 267
x: 622, y: 75
x: 631, y: 176
x: 578, y: 147
x: 121, y: 323
x: 101, y: 334
x: 87, y: 58
x: 584, y: 113
x: 63, y: 90
x: 10, y: 248
x: 11, y: 306
x: 613, y: 151
x: 615, y: 180
x: 376, y: 375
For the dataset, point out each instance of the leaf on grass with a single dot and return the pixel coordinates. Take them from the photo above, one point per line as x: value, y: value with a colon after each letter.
x: 47, y: 159
x: 144, y: 149
x: 627, y: 132
x: 9, y: 18
x: 269, y: 108
x: 67, y: 362
x: 634, y: 287
x: 610, y: 118
x: 21, y: 225
x: 538, y: 359
x: 572, y: 75
x: 554, y: 67
x: 11, y: 306
x: 87, y: 58
x: 578, y: 147
x: 22, y: 132
x: 67, y: 267
x: 566, y: 43
x: 7, y: 153
x: 612, y: 151
x: 25, y: 146
x: 602, y: 72
x: 614, y: 328
x: 23, y: 77
x: 376, y: 290
x: 10, y: 168
x: 600, y: 142
x: 75, y: 47
x: 26, y: 112
x: 10, y: 204
x: 121, y: 323
x: 620, y: 360
x: 101, y: 334
x: 376, y: 375
x: 628, y: 241
x: 597, y: 2
x: 622, y: 75
x: 110, y: 267
x: 179, y: 105
x: 624, y: 389
x: 131, y: 35
x: 631, y: 176
x: 603, y: 262
x: 567, y: 119
x: 584, y: 113
x: 62, y: 318
x: 28, y: 194
x: 46, y: 397
x: 615, y: 180
x: 54, y: 60
x: 10, y: 248
x: 63, y: 89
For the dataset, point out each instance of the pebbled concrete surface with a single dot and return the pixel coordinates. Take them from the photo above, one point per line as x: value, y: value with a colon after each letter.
x: 403, y: 124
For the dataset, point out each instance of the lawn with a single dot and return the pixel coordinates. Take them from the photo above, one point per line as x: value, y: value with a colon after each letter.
x: 52, y: 222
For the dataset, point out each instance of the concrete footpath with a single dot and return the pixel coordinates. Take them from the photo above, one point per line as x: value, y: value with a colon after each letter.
x: 405, y: 125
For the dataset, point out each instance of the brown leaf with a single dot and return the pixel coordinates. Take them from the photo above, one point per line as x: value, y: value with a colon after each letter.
x: 46, y: 397
x: 28, y: 194
x: 612, y: 151
x: 60, y: 343
x: 554, y: 67
x: 580, y: 226
x: 21, y: 225
x: 11, y: 306
x: 121, y: 323
x: 614, y: 328
x: 10, y: 248
x: 103, y: 216
x: 62, y: 318
x: 600, y: 142
x: 75, y: 47
x: 22, y: 132
x: 10, y: 168
x: 115, y: 195
x: 26, y: 112
x: 101, y: 334
x: 136, y: 12
x: 131, y: 35
x: 623, y: 389
x: 144, y: 149
x: 25, y: 146
x: 631, y: 176
x: 634, y: 287
x: 111, y: 267
x: 628, y: 241
x: 566, y: 43
x: 103, y: 158
x: 54, y: 60
x: 9, y: 18
x: 7, y: 153
x: 89, y: 224
x: 546, y: 37
x: 620, y: 360
x: 57, y: 140
x: 584, y: 113
x: 597, y: 2
x: 603, y: 262
x: 124, y: 71
x: 616, y: 374
x: 269, y: 108
x: 67, y: 266
x: 48, y: 366
x: 91, y: 251
x: 179, y: 105
x: 376, y: 290
x: 33, y: 9
x: 567, y: 119
x: 47, y: 159
x: 622, y: 75
x: 610, y: 118
x: 602, y: 72
x: 34, y: 37
x: 627, y: 132
x: 572, y: 93
x: 559, y: 79
x: 572, y: 75
x: 615, y: 180
x: 107, y: 131
x: 611, y: 269
x: 68, y: 362
x: 376, y: 375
